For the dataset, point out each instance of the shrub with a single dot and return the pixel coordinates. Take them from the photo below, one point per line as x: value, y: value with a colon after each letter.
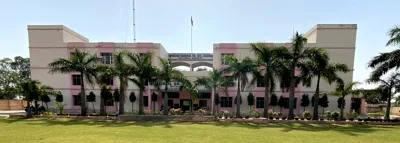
x: 276, y: 114
x: 335, y: 115
x: 256, y: 113
x: 353, y: 115
x: 60, y: 107
x: 328, y: 114
x: 202, y: 112
x: 224, y: 113
x: 48, y: 113
x: 307, y: 114
x: 270, y: 113
x: 174, y: 111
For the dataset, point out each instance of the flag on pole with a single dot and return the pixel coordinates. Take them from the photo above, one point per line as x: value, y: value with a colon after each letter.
x: 191, y: 20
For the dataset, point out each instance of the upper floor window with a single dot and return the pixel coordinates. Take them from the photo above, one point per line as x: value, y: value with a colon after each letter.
x: 107, y: 58
x: 76, y: 80
x: 260, y: 82
x: 111, y: 82
x: 223, y: 62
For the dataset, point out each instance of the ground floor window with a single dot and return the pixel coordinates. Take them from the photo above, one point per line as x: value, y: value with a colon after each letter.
x: 260, y: 102
x: 77, y: 100
x: 145, y: 101
x: 109, y: 103
x: 287, y: 103
x: 226, y: 101
x: 202, y: 103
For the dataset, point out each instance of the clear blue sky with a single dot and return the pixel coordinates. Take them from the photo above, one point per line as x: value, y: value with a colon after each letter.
x: 215, y: 21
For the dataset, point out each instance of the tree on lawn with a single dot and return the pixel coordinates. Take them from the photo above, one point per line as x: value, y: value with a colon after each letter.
x: 305, y: 101
x: 341, y: 101
x: 117, y: 97
x: 132, y: 98
x: 239, y: 70
x: 281, y: 102
x: 92, y: 98
x: 82, y: 62
x: 342, y: 90
x: 250, y: 101
x: 46, y: 99
x: 106, y: 96
x: 216, y: 101
x: 324, y: 102
x: 274, y: 102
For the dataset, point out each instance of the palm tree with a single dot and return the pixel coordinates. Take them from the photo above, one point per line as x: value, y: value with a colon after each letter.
x: 342, y: 90
x: 122, y: 72
x: 44, y: 92
x: 271, y: 62
x: 83, y: 63
x: 239, y: 70
x: 166, y: 75
x: 143, y: 71
x: 384, y: 62
x: 388, y: 88
x: 30, y: 89
x: 214, y: 81
x: 318, y: 66
x: 297, y: 54
x: 192, y: 90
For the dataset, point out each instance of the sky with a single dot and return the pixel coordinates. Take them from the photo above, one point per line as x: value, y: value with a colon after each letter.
x: 215, y: 21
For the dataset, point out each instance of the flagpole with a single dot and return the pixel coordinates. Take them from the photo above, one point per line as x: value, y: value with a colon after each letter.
x: 134, y: 22
x: 191, y: 43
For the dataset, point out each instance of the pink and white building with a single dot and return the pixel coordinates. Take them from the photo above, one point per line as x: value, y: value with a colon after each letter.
x: 49, y: 42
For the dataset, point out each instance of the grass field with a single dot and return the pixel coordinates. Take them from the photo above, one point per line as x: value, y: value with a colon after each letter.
x: 74, y: 131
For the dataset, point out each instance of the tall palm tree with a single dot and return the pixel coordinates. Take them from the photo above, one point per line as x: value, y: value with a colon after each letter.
x: 82, y: 62
x: 297, y: 54
x: 214, y: 81
x: 143, y: 71
x: 318, y: 66
x: 342, y: 90
x: 270, y: 61
x: 388, y: 88
x: 165, y: 74
x: 388, y: 60
x: 192, y: 90
x: 122, y: 72
x: 239, y: 70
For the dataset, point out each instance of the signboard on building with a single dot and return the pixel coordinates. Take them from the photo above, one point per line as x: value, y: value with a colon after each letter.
x: 171, y: 85
x: 191, y: 56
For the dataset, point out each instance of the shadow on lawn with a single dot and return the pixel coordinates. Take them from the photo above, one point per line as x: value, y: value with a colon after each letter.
x: 352, y: 130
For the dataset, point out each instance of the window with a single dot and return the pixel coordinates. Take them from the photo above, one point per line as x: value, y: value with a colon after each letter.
x: 203, y: 103
x: 109, y: 103
x: 225, y: 62
x: 107, y: 58
x: 76, y: 80
x: 170, y: 103
x: 171, y: 95
x: 287, y: 103
x: 111, y: 82
x: 77, y: 100
x: 226, y: 101
x: 205, y: 95
x: 260, y: 82
x: 145, y: 101
x: 260, y: 102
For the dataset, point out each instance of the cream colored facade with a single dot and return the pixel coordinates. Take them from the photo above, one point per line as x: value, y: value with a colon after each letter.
x: 49, y: 42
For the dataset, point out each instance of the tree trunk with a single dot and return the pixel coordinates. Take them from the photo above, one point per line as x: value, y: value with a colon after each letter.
x: 47, y: 108
x: 122, y: 90
x: 116, y: 107
x: 132, y: 107
x: 83, y: 97
x: 94, y: 110
x: 213, y: 104
x: 141, y: 102
x: 323, y: 108
x: 291, y: 94
x: 388, y: 104
x: 266, y: 96
x: 36, y: 108
x: 102, y: 112
x: 304, y: 109
x: 9, y: 107
x: 316, y: 100
x: 28, y: 109
x: 191, y: 105
x: 273, y: 108
x: 342, y: 108
x: 154, y: 106
x: 165, y: 100
x: 238, y: 99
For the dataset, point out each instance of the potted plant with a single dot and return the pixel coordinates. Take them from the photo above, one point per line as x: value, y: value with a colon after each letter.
x: 270, y: 115
x: 296, y: 118
x: 284, y: 117
x: 307, y: 115
x: 276, y: 115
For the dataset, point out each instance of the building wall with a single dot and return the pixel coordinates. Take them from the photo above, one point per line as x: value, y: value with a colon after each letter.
x: 47, y: 43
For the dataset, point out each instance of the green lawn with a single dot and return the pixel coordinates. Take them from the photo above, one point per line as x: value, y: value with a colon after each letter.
x: 73, y: 131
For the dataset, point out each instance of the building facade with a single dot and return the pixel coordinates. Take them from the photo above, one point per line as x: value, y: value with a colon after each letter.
x: 49, y: 42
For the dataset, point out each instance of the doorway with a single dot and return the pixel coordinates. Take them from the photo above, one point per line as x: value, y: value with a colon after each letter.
x: 185, y: 104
